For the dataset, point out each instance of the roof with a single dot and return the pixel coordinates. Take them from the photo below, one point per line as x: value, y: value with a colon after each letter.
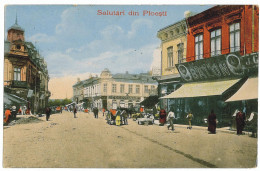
x: 16, y: 26
x: 133, y: 78
x: 172, y: 25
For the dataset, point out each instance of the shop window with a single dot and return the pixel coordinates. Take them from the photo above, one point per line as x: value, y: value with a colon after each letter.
x: 113, y: 88
x: 122, y: 103
x: 180, y: 52
x: 17, y: 74
x: 137, y: 89
x: 170, y: 56
x: 122, y: 88
x: 215, y: 42
x: 234, y: 33
x: 199, y: 46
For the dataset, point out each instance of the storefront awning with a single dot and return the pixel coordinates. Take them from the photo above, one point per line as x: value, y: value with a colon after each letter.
x: 248, y: 91
x: 11, y: 99
x: 201, y: 89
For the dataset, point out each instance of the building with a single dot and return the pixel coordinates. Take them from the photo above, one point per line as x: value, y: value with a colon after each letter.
x: 221, y: 62
x: 111, y: 91
x: 25, y: 71
x: 173, y: 51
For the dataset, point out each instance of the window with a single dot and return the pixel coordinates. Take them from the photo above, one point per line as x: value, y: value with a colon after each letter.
x: 122, y: 88
x: 215, y: 42
x: 17, y: 74
x: 137, y: 89
x: 234, y: 33
x: 199, y: 46
x: 152, y: 87
x: 180, y: 52
x: 114, y: 88
x: 170, y: 56
x: 146, y: 89
x: 105, y: 88
x: 130, y: 88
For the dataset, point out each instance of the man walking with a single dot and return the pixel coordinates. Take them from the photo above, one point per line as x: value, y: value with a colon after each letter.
x: 48, y: 113
x: 189, y: 116
x: 170, y: 119
x: 75, y: 111
x: 95, y: 110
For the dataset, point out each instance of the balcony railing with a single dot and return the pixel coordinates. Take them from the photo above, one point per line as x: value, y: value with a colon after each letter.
x: 19, y: 84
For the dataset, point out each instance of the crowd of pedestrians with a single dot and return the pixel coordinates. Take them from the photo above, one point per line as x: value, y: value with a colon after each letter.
x: 164, y: 117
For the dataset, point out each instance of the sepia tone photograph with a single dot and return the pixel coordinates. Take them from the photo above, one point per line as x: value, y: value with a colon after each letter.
x: 130, y: 86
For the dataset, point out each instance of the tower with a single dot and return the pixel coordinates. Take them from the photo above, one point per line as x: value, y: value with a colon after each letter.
x: 15, y: 32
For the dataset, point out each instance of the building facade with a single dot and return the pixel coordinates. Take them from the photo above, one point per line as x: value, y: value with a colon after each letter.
x: 118, y: 90
x: 222, y: 57
x: 25, y: 71
x: 173, y: 51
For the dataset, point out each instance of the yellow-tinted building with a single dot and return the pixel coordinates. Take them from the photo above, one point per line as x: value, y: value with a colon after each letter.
x: 173, y: 44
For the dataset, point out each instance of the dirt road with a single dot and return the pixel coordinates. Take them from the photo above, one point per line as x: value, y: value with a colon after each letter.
x: 86, y: 142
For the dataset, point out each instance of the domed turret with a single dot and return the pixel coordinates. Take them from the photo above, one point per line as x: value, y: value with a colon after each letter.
x: 106, y: 73
x: 15, y: 32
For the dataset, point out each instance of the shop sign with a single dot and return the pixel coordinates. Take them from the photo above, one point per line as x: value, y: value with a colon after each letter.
x: 223, y: 66
x: 30, y: 92
x: 124, y: 97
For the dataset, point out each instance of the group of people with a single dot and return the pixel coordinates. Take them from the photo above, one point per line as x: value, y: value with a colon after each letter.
x: 170, y: 118
x: 11, y: 112
x: 211, y: 120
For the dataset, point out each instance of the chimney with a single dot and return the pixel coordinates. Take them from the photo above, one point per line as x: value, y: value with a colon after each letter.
x: 187, y: 14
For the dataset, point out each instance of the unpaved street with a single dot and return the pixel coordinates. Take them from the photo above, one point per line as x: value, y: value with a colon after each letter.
x: 86, y: 142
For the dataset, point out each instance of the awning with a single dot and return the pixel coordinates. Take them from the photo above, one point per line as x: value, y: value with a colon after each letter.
x: 201, y: 89
x: 150, y: 101
x: 248, y: 91
x: 11, y: 99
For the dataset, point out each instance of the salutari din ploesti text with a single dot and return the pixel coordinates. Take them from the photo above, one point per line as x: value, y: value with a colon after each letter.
x: 132, y: 13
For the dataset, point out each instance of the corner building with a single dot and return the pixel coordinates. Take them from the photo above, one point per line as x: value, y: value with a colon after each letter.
x: 221, y: 68
x: 25, y: 70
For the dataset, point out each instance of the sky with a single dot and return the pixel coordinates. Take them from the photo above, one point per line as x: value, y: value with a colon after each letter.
x: 75, y: 40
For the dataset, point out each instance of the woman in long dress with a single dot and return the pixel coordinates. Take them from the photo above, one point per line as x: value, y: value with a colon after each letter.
x: 212, y: 124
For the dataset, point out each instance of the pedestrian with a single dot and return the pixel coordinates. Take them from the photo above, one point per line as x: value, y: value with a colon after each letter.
x: 7, y: 116
x: 170, y: 119
x: 95, y: 111
x: 118, y: 118
x: 75, y: 111
x: 13, y: 112
x: 189, y: 116
x: 240, y: 122
x: 212, y: 122
x: 103, y: 111
x: 162, y: 116
x: 48, y: 113
x: 20, y: 111
x: 61, y: 109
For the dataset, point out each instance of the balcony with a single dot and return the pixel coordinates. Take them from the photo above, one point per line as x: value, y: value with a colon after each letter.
x: 19, y: 84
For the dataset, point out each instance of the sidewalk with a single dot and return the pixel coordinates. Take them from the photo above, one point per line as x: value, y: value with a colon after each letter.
x: 224, y: 129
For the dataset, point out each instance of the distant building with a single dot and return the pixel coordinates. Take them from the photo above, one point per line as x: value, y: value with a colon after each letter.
x: 25, y: 71
x: 111, y: 91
